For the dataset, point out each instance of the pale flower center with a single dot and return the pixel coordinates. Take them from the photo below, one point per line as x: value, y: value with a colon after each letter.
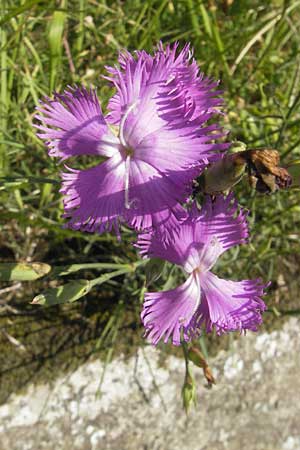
x: 127, y: 151
x: 122, y: 124
x: 202, y: 258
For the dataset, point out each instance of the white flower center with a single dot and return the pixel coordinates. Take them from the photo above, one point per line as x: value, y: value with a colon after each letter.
x: 203, y: 256
x: 126, y: 151
x: 122, y: 124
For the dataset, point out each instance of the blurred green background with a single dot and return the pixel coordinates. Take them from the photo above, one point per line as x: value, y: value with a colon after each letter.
x: 252, y: 47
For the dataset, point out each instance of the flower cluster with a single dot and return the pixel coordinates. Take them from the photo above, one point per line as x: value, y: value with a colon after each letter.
x: 156, y: 137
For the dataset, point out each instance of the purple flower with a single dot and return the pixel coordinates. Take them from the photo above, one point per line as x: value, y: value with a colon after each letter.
x: 153, y: 141
x: 203, y: 299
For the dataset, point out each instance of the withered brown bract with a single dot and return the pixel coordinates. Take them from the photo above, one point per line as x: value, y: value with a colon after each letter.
x: 265, y: 175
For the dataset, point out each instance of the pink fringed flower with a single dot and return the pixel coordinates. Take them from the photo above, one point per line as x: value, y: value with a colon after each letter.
x: 204, y: 299
x: 159, y: 110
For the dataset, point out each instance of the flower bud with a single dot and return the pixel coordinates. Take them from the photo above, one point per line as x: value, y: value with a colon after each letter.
x: 222, y: 175
x: 188, y: 391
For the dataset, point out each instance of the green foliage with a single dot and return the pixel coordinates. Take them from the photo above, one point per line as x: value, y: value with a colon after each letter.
x: 55, y: 40
x: 251, y: 46
x: 23, y: 271
x: 74, y: 290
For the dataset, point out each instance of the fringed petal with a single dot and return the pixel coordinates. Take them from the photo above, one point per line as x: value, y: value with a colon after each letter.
x: 94, y: 198
x: 222, y: 219
x: 73, y: 124
x: 202, y: 237
x: 228, y: 305
x: 154, y: 199
x: 168, y: 314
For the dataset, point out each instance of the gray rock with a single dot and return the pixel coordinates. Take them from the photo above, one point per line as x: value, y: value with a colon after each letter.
x: 254, y: 406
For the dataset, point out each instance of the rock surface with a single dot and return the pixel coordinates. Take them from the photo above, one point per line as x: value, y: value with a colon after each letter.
x: 254, y: 406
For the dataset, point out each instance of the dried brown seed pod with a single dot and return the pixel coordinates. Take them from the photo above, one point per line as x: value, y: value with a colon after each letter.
x: 265, y: 175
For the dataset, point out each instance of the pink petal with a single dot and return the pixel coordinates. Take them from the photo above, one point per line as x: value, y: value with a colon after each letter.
x: 94, y: 198
x: 176, y: 250
x: 73, y: 124
x: 202, y: 237
x: 223, y: 219
x: 154, y: 198
x: 228, y: 305
x: 166, y: 313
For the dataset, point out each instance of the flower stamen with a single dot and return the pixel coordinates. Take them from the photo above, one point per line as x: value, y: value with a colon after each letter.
x: 122, y: 123
x: 128, y: 152
x: 126, y: 181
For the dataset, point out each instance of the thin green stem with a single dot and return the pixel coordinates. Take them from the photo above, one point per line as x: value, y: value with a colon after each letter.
x: 186, y: 355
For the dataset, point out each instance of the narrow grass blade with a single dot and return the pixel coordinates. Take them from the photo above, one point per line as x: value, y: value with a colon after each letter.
x: 258, y: 35
x: 80, y: 37
x: 194, y: 17
x: 3, y: 95
x: 206, y: 20
x: 27, y: 180
x: 55, y: 39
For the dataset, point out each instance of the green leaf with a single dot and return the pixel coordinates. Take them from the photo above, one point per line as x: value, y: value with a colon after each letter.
x: 74, y: 290
x: 23, y: 271
x: 67, y: 293
x: 66, y: 270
